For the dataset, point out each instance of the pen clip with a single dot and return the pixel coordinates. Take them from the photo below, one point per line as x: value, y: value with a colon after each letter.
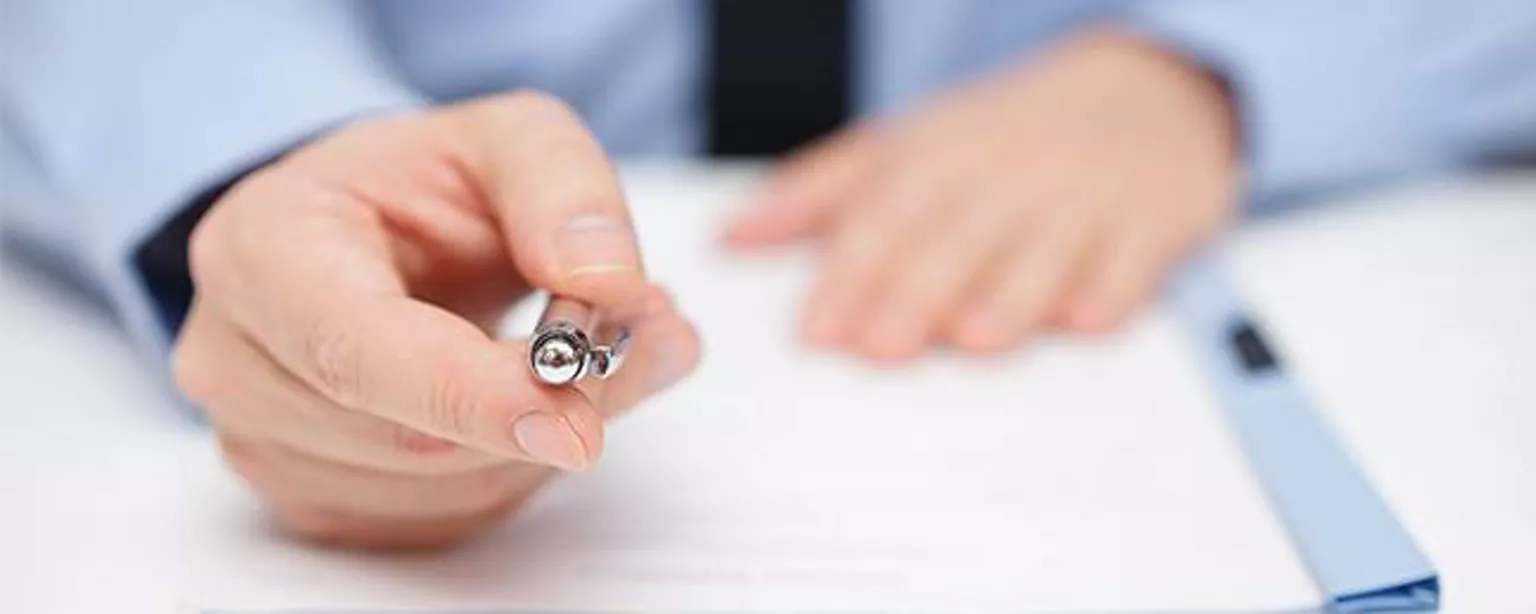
x: 604, y: 360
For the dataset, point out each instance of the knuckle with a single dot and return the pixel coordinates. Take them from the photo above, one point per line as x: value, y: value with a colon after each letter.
x: 203, y: 249
x: 415, y: 443
x: 514, y: 110
x: 448, y: 407
x: 214, y: 240
x: 188, y: 373
x: 446, y: 465
x: 211, y: 257
x: 196, y: 373
x: 536, y: 104
x: 334, y: 350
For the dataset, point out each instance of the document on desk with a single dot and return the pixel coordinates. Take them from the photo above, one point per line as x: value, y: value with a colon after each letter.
x: 1074, y: 476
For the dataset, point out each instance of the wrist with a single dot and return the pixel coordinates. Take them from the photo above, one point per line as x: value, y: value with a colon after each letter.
x: 1188, y: 83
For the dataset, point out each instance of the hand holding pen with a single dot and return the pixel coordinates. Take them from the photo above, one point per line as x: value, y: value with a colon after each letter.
x: 339, y: 338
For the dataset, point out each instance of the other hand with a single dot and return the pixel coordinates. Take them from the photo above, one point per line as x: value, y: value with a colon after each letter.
x: 1053, y: 193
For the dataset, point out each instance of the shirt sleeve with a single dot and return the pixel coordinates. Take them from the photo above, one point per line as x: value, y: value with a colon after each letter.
x: 1338, y: 91
x: 118, y: 113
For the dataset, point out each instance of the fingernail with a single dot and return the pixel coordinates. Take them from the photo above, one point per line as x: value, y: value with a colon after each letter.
x: 549, y: 439
x: 596, y: 244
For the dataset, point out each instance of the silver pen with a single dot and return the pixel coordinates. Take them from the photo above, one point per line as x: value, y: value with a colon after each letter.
x: 571, y: 342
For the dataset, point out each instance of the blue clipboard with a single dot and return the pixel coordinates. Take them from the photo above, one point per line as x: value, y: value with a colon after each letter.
x: 1358, y: 552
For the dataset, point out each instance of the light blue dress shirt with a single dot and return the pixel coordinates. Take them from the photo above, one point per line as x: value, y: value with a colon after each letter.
x: 113, y: 114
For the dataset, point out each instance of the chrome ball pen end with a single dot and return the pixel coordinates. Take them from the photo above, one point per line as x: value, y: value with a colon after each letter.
x: 556, y: 361
x: 563, y: 350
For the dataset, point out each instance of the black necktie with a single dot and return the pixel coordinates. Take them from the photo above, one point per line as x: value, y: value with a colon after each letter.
x: 778, y: 73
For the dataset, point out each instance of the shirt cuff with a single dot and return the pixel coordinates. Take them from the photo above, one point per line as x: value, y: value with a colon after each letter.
x: 157, y: 188
x: 1319, y: 89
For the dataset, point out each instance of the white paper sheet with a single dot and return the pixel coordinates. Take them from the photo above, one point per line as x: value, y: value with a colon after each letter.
x: 1074, y: 476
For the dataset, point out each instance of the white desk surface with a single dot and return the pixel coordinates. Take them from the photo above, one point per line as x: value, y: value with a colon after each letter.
x: 1409, y: 312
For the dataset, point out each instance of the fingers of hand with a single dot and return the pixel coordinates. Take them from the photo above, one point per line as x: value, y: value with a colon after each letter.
x: 879, y: 229
x: 336, y: 474
x: 808, y: 190
x: 417, y: 365
x: 555, y: 194
x: 365, y: 346
x: 290, y: 477
x: 247, y: 394
x: 348, y: 506
x: 1124, y: 275
x: 375, y: 533
x: 936, y: 275
x: 1025, y: 283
